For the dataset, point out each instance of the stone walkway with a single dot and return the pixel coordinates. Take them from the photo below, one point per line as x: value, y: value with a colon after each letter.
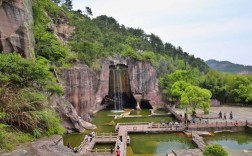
x: 187, y: 152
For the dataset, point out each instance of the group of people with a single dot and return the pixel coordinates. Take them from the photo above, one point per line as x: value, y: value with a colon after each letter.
x: 89, y: 137
x: 224, y: 115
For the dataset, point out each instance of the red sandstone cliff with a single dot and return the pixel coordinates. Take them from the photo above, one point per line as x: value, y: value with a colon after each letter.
x: 16, y: 23
x: 85, y: 89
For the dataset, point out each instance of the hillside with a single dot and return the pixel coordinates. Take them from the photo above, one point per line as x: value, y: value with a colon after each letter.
x: 226, y: 66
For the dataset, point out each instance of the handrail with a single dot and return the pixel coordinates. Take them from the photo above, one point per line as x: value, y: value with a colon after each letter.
x: 218, y: 124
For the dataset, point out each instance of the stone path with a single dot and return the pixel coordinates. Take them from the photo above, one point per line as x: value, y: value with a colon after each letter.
x: 187, y: 152
x: 198, y: 140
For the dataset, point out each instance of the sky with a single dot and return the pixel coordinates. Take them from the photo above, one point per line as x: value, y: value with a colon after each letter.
x: 208, y: 29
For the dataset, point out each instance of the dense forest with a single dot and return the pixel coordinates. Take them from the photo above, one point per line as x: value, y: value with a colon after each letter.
x: 25, y: 85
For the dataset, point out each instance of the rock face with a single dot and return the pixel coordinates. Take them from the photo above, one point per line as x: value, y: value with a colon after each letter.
x: 72, y: 121
x: 86, y: 89
x: 16, y: 27
x: 143, y: 80
x: 52, y: 146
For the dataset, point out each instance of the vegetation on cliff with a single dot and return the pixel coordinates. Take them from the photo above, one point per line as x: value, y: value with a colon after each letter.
x: 24, y: 110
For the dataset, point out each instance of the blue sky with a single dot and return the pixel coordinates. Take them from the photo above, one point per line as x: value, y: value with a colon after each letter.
x: 209, y: 29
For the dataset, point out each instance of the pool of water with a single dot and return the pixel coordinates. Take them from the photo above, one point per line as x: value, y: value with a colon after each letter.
x: 105, y: 122
x: 235, y: 143
x: 157, y: 144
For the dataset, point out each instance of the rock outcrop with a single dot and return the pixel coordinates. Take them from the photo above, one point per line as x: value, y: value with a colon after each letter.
x: 86, y: 89
x: 16, y: 33
x: 52, y: 146
x: 72, y: 121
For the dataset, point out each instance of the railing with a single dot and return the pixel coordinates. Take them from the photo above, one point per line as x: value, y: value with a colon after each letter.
x: 133, y: 123
x: 218, y: 124
x: 106, y: 151
x: 106, y: 137
x: 156, y: 127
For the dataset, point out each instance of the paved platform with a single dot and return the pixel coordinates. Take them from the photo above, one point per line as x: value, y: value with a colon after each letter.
x: 187, y: 152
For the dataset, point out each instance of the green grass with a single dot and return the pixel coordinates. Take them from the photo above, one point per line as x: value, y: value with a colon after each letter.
x: 9, y: 138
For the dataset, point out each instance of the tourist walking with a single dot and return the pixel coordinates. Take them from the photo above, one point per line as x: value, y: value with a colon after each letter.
x: 224, y: 117
x: 231, y: 115
x: 220, y: 115
x: 118, y: 152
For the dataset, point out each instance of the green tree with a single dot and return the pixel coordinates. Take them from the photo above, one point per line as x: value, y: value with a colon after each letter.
x: 196, y: 97
x: 89, y: 11
x: 214, y: 150
x: 178, y: 88
x: 214, y: 81
x: 68, y: 4
x: 166, y: 82
x: 241, y: 89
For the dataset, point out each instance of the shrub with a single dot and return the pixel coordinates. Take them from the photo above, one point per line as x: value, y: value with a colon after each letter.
x: 214, y: 150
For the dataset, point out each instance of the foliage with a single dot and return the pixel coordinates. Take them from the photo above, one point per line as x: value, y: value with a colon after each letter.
x: 196, y: 97
x: 23, y: 84
x: 214, y: 81
x: 9, y: 138
x: 46, y: 43
x: 228, y: 88
x: 17, y: 72
x: 214, y: 150
x: 178, y: 88
x: 241, y: 89
x: 166, y: 81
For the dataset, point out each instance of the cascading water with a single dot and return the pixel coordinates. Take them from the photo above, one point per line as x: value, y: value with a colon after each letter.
x: 119, y: 87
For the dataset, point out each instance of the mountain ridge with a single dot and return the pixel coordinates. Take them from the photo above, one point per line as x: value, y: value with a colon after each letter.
x: 229, y: 67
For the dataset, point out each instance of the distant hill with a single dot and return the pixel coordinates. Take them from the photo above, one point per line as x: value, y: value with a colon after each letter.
x: 226, y: 66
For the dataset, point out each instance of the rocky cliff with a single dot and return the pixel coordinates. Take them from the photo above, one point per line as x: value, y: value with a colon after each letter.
x: 86, y: 89
x: 16, y: 27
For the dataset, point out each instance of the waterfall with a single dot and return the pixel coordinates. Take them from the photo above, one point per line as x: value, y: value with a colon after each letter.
x: 119, y: 88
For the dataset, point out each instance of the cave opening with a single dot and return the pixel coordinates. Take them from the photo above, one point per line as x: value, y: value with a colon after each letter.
x: 145, y: 104
x: 119, y: 94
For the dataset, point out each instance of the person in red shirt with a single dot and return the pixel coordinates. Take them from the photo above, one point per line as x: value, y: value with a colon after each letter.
x: 118, y: 152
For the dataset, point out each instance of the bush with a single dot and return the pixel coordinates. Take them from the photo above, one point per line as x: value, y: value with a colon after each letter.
x: 10, y: 138
x: 214, y: 150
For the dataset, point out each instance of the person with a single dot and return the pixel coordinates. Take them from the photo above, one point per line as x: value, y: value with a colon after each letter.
x: 220, y: 115
x: 224, y: 117
x: 111, y: 150
x: 231, y: 115
x: 118, y: 152
x: 68, y: 145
